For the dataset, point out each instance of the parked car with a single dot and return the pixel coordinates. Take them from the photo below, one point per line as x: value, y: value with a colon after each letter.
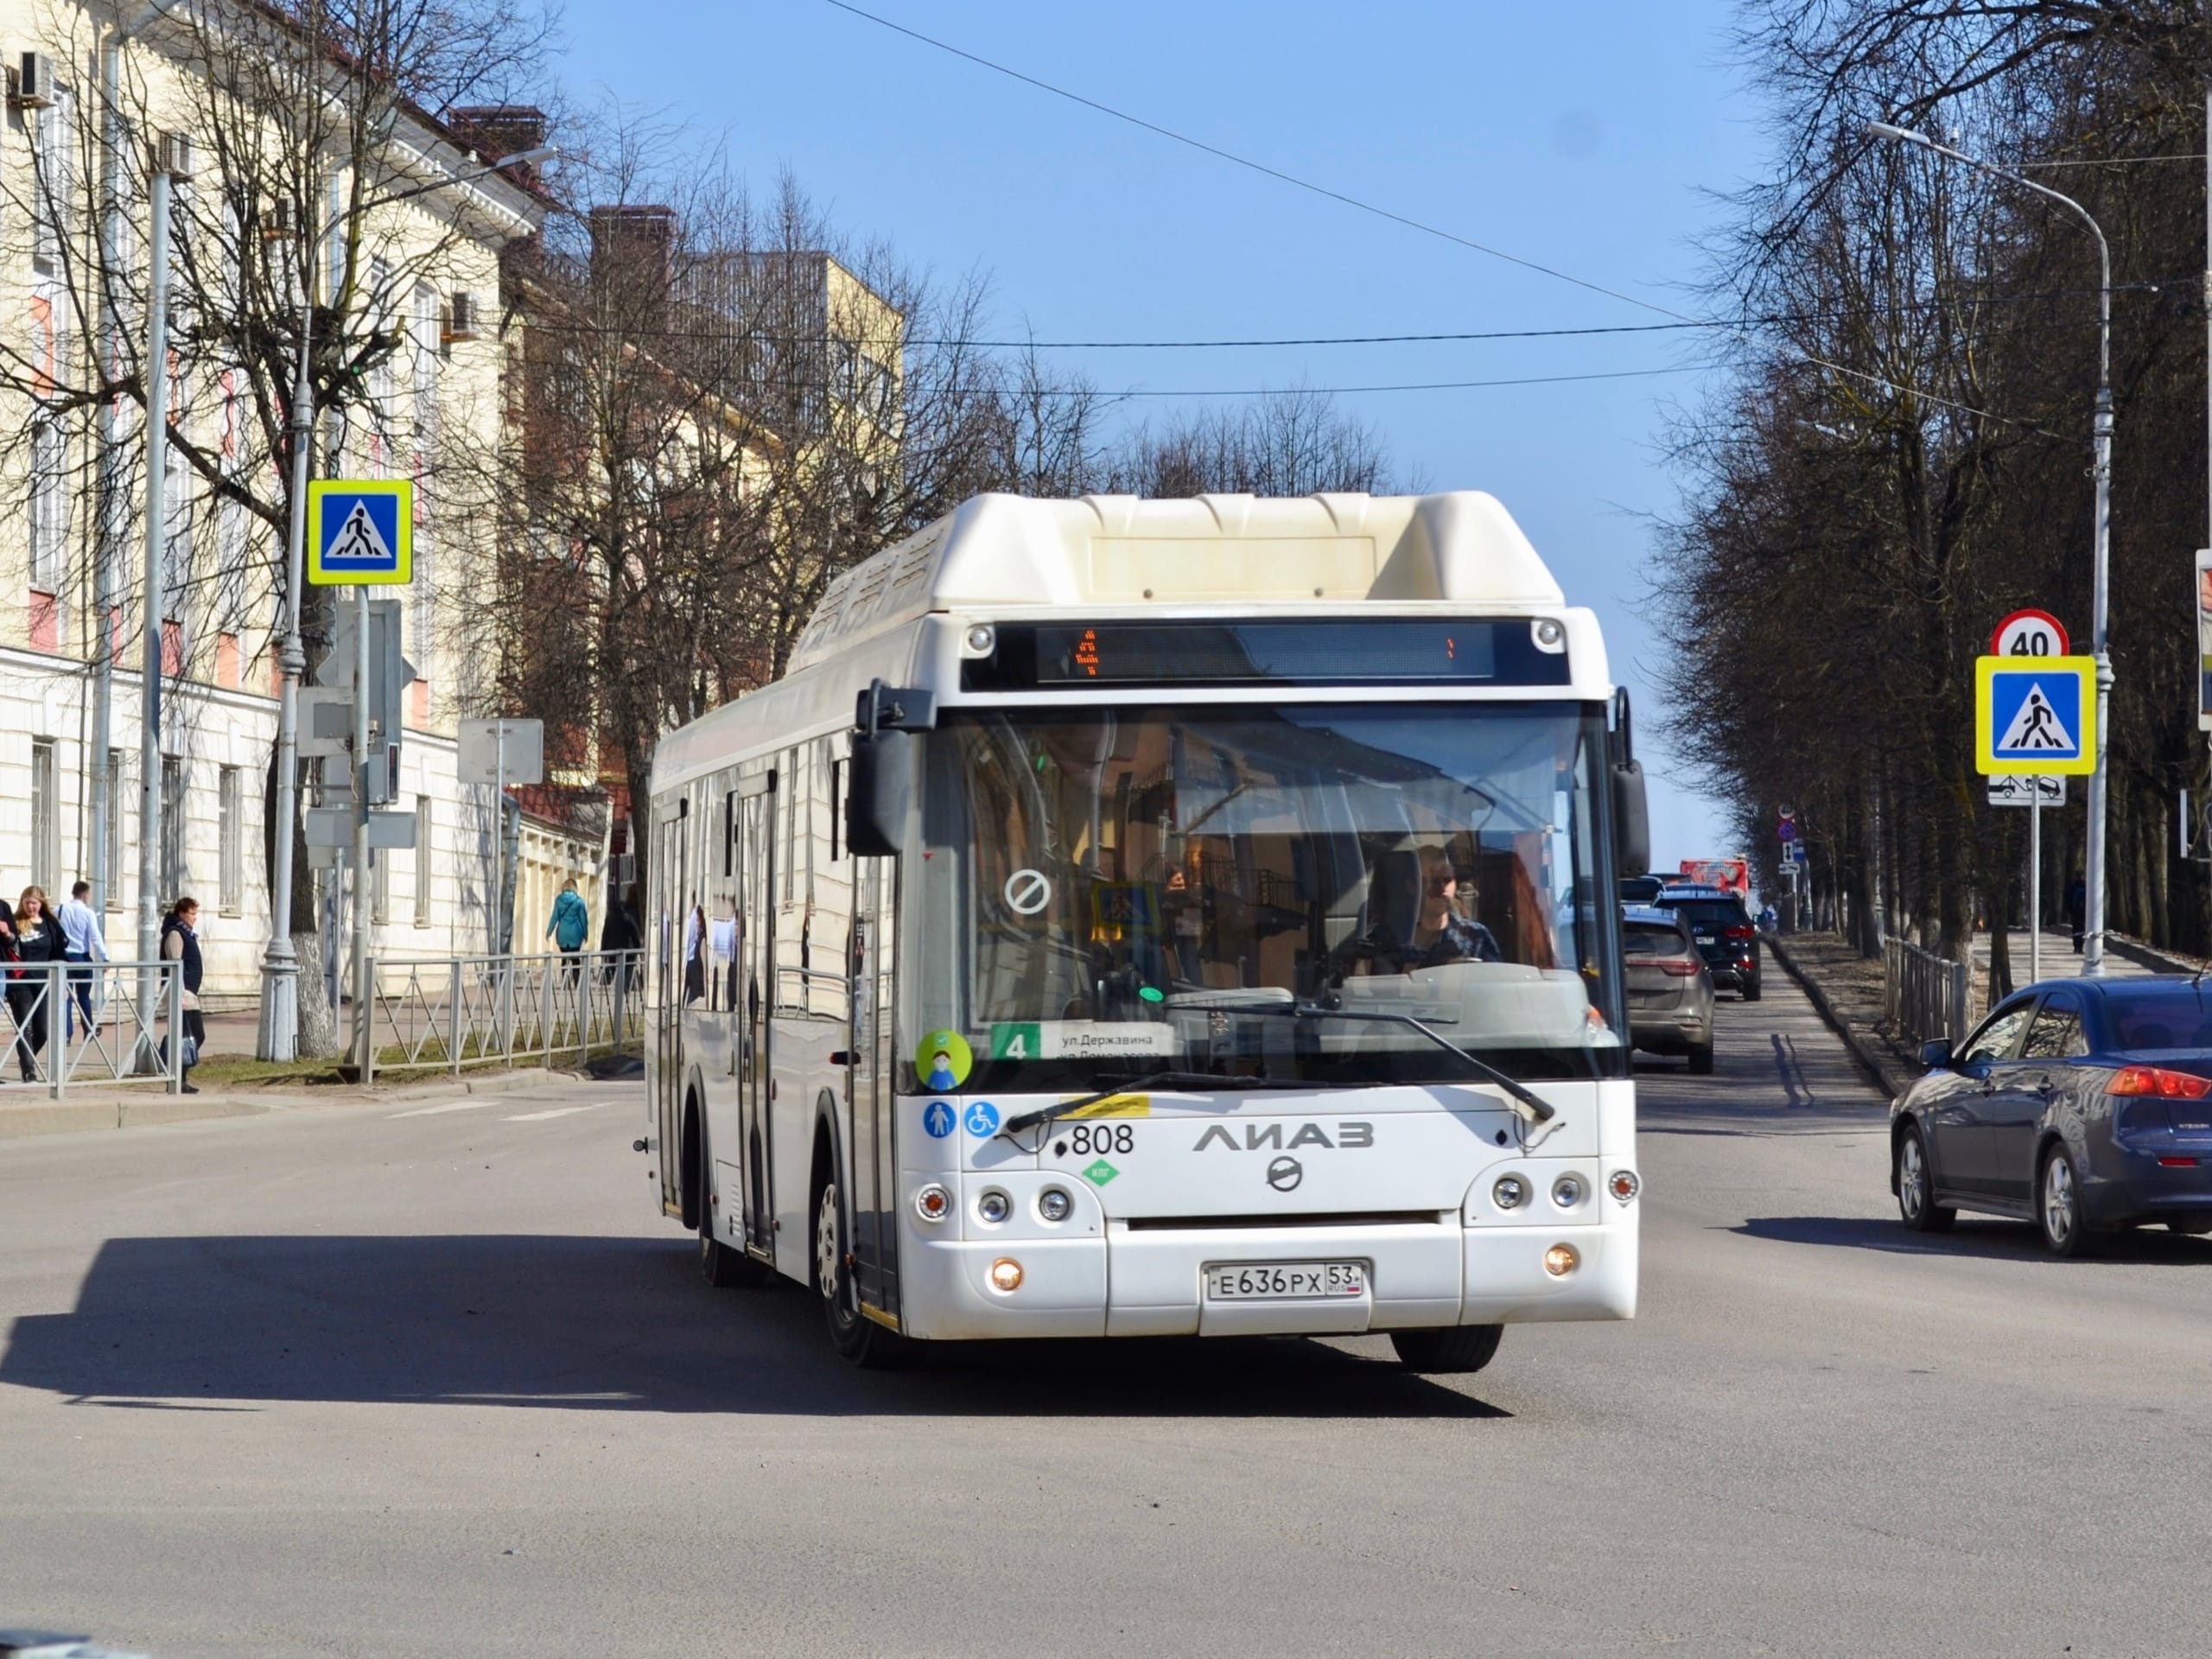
x: 1640, y: 889
x: 2080, y: 1104
x: 1724, y: 935
x: 1670, y: 990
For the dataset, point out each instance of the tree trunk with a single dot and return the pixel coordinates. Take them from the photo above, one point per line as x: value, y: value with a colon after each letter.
x: 319, y: 1037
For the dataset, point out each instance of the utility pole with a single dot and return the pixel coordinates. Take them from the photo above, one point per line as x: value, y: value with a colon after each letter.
x: 108, y: 531
x: 168, y: 154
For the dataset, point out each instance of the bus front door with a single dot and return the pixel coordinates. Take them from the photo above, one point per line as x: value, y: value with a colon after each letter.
x: 873, y: 1096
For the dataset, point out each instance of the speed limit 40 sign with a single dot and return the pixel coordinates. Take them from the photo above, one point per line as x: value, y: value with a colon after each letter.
x: 2030, y: 633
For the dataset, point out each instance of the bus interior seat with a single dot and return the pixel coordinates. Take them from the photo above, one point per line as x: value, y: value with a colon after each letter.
x: 1394, y: 898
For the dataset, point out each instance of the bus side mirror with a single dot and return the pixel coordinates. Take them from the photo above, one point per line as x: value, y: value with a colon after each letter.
x: 880, y: 794
x: 1631, y: 819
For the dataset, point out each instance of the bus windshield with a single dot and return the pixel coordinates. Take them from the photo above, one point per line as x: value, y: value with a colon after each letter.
x: 1112, y: 891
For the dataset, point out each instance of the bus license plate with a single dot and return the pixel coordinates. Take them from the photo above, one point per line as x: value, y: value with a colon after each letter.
x: 1263, y: 1281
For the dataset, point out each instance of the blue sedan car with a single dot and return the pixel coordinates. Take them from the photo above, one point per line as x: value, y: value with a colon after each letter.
x: 2081, y: 1105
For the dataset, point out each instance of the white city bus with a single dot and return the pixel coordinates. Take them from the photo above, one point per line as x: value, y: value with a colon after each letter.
x: 1205, y: 924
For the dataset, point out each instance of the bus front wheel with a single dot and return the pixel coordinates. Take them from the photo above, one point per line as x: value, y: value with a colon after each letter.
x: 851, y: 1333
x: 1460, y: 1348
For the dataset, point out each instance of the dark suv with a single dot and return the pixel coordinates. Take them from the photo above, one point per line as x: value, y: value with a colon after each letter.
x: 1724, y: 935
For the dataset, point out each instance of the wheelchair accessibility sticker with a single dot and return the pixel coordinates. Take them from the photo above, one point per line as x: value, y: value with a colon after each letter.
x: 981, y: 1119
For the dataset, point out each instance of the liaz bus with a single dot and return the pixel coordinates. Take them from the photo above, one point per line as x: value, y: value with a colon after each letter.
x: 1148, y: 917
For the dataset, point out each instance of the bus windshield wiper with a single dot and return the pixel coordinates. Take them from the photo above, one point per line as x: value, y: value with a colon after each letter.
x: 1531, y: 1106
x: 1214, y: 1080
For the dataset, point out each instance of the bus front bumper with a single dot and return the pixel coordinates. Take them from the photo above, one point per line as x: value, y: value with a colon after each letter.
x: 1125, y: 1282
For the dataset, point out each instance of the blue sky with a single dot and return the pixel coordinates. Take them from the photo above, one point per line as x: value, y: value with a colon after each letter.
x: 1578, y: 136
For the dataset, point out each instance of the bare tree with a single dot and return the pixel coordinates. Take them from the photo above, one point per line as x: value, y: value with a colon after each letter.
x: 298, y: 116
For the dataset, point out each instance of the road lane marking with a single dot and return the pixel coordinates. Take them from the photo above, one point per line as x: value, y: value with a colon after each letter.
x: 558, y: 1111
x: 436, y: 1111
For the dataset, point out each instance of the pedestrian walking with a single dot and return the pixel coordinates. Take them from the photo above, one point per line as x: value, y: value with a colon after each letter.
x: 569, y: 927
x: 181, y: 945
x: 37, y: 942
x: 81, y: 941
x: 2077, y: 907
x: 619, y: 936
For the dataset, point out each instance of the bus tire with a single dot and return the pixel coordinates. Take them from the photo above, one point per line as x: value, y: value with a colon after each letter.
x: 719, y: 1265
x: 856, y: 1337
x: 1457, y: 1348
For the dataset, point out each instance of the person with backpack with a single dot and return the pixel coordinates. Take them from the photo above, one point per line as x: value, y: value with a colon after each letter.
x: 569, y: 927
x: 181, y: 945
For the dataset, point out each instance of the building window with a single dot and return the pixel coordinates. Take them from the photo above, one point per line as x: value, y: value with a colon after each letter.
x: 45, y: 853
x: 425, y: 868
x: 48, y: 516
x: 174, y: 829
x: 115, y: 813
x: 55, y: 183
x: 231, y: 837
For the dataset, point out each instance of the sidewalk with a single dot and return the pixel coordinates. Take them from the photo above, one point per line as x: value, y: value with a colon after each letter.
x: 31, y: 1111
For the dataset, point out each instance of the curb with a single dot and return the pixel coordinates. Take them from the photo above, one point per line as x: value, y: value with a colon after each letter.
x: 1855, y: 1044
x: 146, y: 1108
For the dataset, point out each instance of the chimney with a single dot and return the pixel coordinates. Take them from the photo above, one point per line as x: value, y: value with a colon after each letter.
x: 496, y: 130
x: 634, y: 250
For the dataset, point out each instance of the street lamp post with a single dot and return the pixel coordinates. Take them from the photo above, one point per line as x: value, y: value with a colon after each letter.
x: 279, y: 1037
x: 2093, y: 948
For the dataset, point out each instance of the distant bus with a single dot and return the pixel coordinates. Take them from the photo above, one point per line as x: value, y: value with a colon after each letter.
x: 1136, y: 917
x: 1729, y: 874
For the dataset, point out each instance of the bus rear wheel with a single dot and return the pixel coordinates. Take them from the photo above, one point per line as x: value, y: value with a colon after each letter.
x: 1459, y: 1348
x: 851, y: 1333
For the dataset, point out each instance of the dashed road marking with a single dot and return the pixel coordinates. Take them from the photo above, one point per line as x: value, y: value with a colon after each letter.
x: 558, y: 1111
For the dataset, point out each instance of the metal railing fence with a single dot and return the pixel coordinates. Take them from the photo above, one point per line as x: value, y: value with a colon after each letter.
x: 445, y: 1013
x: 73, y: 1025
x: 1925, y: 995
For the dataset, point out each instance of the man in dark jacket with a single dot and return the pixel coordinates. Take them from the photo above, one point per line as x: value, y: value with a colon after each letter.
x: 619, y: 933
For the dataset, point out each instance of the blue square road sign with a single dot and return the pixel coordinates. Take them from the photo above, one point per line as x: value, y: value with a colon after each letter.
x: 2035, y: 716
x: 360, y: 530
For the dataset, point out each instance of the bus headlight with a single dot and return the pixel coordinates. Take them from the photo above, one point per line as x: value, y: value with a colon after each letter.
x: 1561, y: 1259
x: 932, y: 1202
x: 994, y: 1206
x: 1005, y: 1274
x: 1054, y: 1205
x: 1510, y: 1192
x: 1566, y: 1191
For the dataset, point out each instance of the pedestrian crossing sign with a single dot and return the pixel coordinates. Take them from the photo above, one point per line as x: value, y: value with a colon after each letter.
x: 360, y: 530
x: 2035, y: 716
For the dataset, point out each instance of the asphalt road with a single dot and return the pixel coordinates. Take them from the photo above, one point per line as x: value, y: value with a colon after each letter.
x: 343, y: 1382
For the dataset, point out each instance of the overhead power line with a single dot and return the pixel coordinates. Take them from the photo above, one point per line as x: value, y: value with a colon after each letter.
x: 1276, y: 173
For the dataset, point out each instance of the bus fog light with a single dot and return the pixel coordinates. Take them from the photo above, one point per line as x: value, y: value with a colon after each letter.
x: 1510, y: 1192
x: 1054, y: 1205
x: 932, y: 1202
x: 1566, y: 1191
x: 1549, y: 634
x: 981, y: 640
x: 1623, y: 1184
x: 1005, y: 1274
x: 994, y: 1206
x: 1561, y: 1260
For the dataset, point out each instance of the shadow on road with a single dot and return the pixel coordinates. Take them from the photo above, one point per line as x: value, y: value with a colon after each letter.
x: 1987, y: 1239
x: 606, y: 1324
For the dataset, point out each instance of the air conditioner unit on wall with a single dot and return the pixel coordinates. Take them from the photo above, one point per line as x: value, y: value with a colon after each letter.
x: 30, y: 85
x: 461, y: 319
